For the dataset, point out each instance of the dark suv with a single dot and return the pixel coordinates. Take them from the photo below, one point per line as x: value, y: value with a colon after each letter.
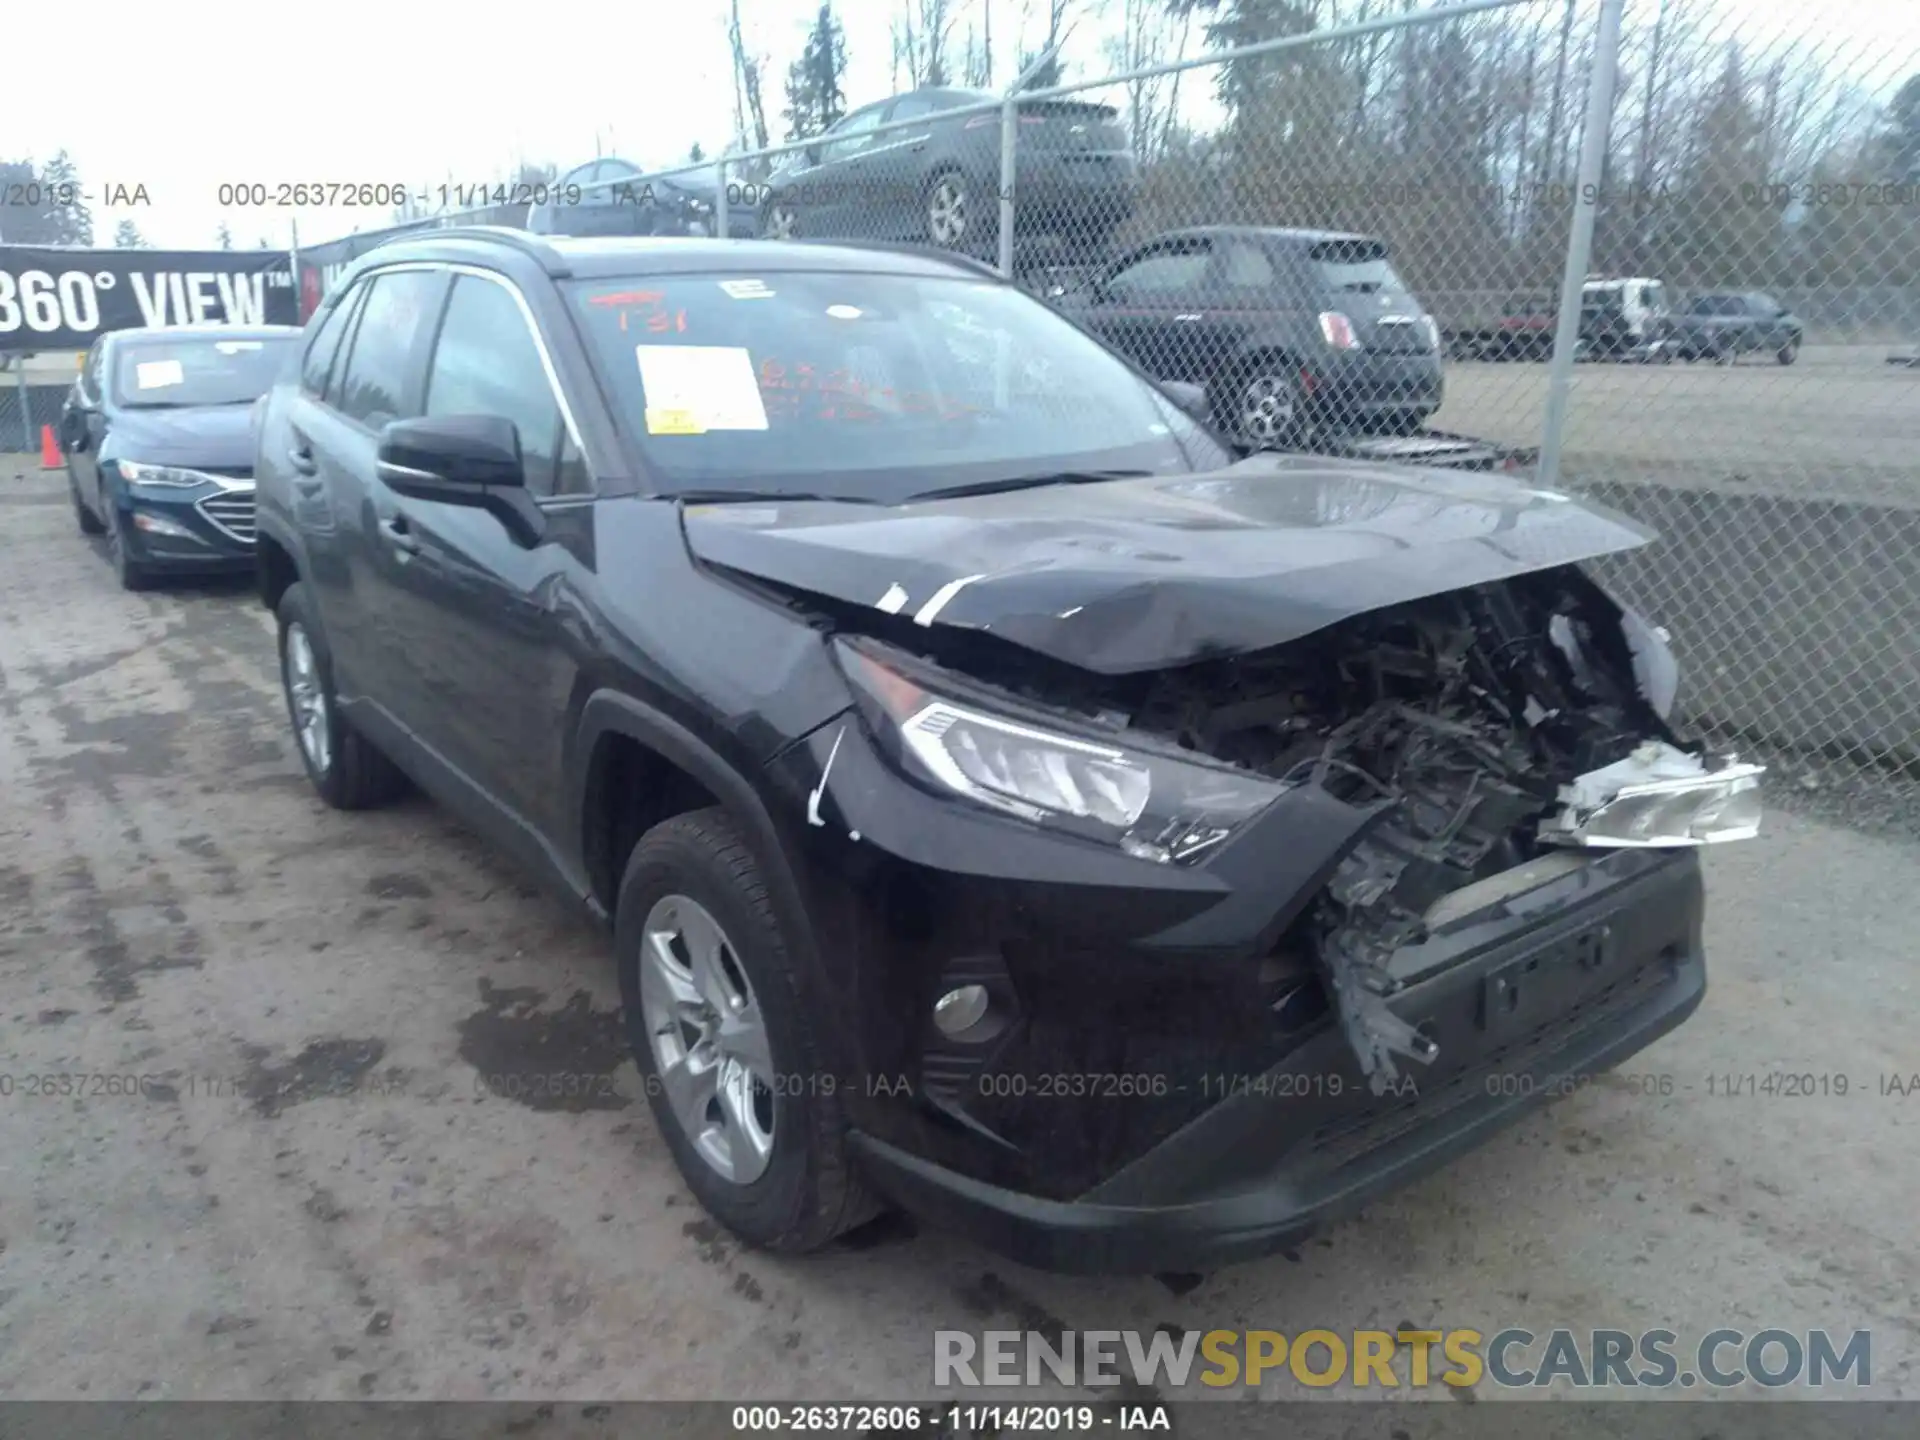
x: 1288, y: 330
x: 1726, y: 325
x: 1004, y: 803
x: 159, y: 454
x: 935, y: 177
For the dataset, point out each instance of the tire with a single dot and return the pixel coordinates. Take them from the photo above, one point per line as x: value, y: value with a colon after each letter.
x: 779, y: 220
x: 1266, y: 383
x: 348, y: 771
x: 131, y: 574
x: 1788, y: 352
x: 1403, y: 422
x: 88, y: 522
x: 779, y: 1179
x: 965, y: 225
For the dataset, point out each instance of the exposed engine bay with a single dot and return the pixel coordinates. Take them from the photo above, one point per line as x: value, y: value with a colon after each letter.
x: 1459, y: 718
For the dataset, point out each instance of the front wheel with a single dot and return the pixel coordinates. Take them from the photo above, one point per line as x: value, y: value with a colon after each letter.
x: 1788, y: 352
x: 88, y: 522
x: 722, y: 1040
x: 131, y: 574
x: 952, y: 216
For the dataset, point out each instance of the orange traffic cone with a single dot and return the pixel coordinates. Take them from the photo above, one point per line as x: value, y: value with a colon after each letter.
x: 49, y: 450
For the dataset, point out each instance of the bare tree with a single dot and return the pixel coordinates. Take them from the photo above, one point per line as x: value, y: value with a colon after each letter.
x: 749, y: 113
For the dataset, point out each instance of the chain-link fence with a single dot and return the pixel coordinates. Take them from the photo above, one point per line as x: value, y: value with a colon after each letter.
x: 1673, y: 244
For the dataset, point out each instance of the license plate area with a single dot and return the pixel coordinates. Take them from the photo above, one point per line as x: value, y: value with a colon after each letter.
x: 1525, y: 993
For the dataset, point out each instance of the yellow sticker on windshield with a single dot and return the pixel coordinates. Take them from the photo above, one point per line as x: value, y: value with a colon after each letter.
x: 673, y: 422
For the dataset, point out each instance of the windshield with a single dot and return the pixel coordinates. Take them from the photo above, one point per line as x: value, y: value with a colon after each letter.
x: 203, y: 370
x: 869, y: 387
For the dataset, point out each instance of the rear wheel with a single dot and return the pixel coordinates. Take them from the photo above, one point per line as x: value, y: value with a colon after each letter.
x: 1261, y: 406
x: 779, y: 221
x: 715, y: 1017
x: 953, y: 216
x: 344, y: 766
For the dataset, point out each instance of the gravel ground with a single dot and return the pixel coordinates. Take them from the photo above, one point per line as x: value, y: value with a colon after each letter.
x: 314, y: 1201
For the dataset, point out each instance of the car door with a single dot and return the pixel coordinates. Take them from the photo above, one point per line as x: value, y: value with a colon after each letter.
x: 896, y: 163
x: 1149, y: 307
x: 313, y: 488
x: 377, y: 379
x: 833, y: 195
x: 485, y: 646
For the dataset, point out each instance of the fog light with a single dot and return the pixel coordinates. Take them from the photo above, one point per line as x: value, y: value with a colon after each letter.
x: 958, y: 1011
x: 154, y: 525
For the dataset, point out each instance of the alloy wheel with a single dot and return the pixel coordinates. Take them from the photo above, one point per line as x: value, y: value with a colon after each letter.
x: 947, y: 212
x: 308, y: 697
x: 1267, y: 410
x: 779, y: 224
x: 709, y: 1038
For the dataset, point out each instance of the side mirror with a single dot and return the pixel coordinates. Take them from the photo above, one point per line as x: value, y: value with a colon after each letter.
x: 471, y: 460
x: 1190, y: 398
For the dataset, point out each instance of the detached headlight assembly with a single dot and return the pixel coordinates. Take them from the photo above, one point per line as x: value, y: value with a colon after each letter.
x: 1154, y: 805
x: 1657, y: 796
x: 137, y: 473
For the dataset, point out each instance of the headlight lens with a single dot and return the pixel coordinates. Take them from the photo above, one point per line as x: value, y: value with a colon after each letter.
x: 1153, y: 806
x: 137, y: 473
x: 1658, y: 796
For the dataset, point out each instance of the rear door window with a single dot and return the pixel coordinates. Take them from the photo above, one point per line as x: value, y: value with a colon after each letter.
x: 317, y: 367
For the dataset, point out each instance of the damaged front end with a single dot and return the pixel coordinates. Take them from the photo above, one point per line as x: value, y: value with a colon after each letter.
x: 1494, y: 738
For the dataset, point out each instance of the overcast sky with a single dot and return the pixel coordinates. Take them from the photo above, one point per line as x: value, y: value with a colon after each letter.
x: 180, y: 96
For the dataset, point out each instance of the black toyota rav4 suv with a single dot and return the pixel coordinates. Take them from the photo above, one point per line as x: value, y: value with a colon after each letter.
x: 1005, y: 803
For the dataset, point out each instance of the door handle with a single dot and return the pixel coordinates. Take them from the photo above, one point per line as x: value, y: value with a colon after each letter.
x: 399, y: 534
x: 300, y: 456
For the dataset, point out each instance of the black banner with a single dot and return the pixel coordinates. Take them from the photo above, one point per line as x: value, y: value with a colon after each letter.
x: 54, y: 299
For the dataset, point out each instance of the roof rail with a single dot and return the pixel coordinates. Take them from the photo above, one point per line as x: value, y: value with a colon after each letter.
x: 910, y: 247
x: 521, y: 240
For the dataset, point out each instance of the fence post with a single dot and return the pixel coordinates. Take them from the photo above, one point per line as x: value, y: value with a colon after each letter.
x: 293, y: 265
x: 1586, y: 202
x: 1009, y: 135
x: 721, y: 208
x: 32, y: 441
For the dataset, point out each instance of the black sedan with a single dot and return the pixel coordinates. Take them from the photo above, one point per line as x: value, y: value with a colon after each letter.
x: 913, y: 169
x: 159, y: 448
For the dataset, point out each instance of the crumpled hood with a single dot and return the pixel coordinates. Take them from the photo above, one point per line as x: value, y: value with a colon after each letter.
x: 1130, y: 575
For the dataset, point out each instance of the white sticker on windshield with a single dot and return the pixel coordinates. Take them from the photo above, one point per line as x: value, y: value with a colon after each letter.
x: 695, y: 388
x: 158, y: 374
x: 235, y: 347
x: 747, y: 289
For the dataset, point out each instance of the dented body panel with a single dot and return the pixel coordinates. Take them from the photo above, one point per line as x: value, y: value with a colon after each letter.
x: 1130, y: 575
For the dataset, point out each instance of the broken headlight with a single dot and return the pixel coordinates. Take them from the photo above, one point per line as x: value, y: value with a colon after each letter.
x: 1153, y: 805
x: 1658, y: 796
